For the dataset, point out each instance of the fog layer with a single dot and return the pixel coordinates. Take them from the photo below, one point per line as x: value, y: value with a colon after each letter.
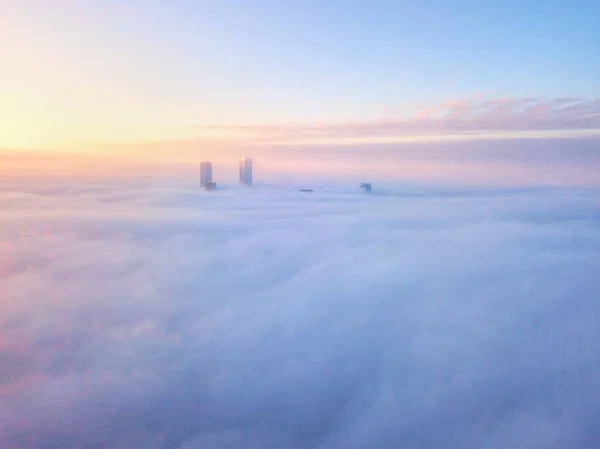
x: 143, y: 316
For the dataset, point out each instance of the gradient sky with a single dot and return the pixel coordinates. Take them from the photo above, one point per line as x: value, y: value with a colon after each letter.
x: 111, y: 71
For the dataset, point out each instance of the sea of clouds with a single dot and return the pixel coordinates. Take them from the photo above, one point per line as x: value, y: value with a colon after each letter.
x: 145, y: 315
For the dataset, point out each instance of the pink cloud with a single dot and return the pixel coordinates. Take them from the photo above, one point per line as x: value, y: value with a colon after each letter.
x: 450, y: 117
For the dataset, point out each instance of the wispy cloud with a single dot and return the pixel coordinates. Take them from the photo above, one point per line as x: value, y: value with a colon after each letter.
x: 469, y: 116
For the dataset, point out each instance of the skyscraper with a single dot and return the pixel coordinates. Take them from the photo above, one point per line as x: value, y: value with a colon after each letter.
x: 246, y: 171
x: 205, y: 173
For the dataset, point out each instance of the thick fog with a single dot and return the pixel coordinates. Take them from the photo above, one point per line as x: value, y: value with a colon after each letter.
x: 168, y: 317
x: 156, y: 315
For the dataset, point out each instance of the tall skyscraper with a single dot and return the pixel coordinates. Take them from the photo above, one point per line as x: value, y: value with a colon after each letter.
x: 246, y: 171
x: 205, y: 173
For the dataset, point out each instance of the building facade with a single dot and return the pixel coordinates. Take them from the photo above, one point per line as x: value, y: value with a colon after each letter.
x: 246, y: 171
x: 205, y: 173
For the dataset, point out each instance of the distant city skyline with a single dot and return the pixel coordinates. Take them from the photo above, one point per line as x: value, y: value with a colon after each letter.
x: 245, y: 173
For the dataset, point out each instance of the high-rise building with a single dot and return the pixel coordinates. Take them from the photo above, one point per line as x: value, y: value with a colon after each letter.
x: 205, y: 173
x: 246, y: 171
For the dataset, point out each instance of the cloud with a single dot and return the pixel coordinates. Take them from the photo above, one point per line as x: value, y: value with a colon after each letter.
x: 162, y: 317
x: 453, y: 117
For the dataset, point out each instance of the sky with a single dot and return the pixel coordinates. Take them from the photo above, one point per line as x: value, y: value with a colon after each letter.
x: 84, y: 76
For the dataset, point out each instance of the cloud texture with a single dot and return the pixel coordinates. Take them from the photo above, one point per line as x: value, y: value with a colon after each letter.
x: 463, y: 116
x: 163, y: 317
